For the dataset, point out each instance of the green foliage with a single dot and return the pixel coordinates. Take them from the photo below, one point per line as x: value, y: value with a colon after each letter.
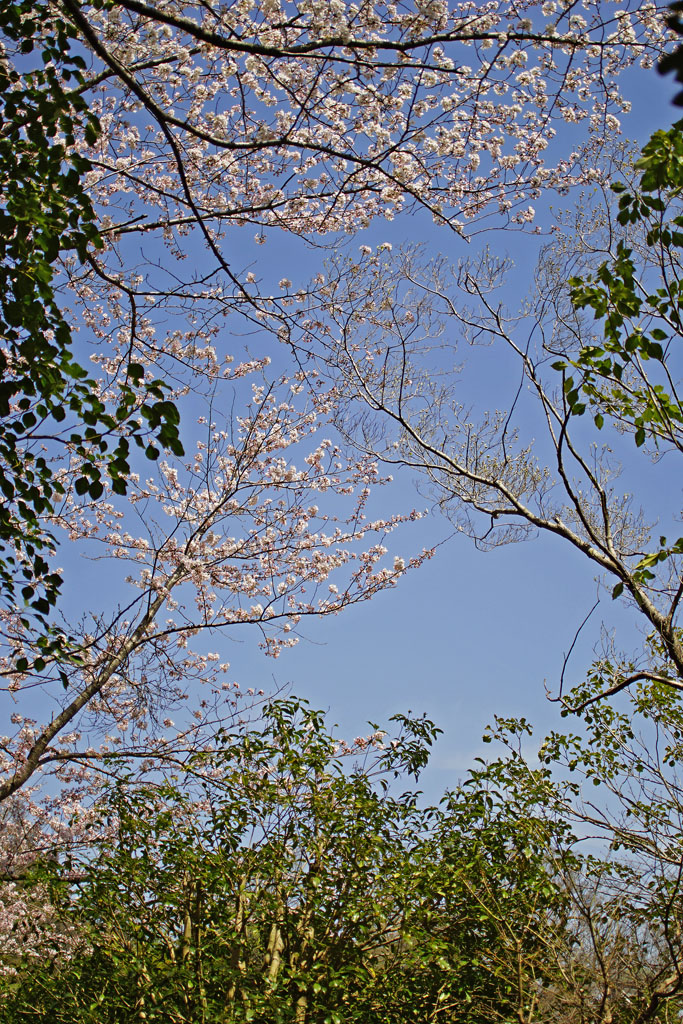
x: 272, y: 881
x: 640, y: 321
x: 48, y: 402
x: 627, y: 377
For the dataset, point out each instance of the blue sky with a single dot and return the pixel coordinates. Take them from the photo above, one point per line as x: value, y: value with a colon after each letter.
x: 469, y: 635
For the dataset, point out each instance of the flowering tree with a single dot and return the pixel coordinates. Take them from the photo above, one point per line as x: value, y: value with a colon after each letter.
x: 200, y: 120
x: 319, y: 117
x: 230, y: 539
x: 314, y: 121
x: 174, y: 125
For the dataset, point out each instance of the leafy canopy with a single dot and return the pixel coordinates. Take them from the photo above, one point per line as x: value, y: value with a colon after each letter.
x: 48, y: 401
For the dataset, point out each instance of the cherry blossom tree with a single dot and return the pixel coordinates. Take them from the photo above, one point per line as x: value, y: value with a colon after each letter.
x: 240, y: 535
x: 309, y: 119
x: 305, y: 121
x: 318, y: 117
x: 312, y: 119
